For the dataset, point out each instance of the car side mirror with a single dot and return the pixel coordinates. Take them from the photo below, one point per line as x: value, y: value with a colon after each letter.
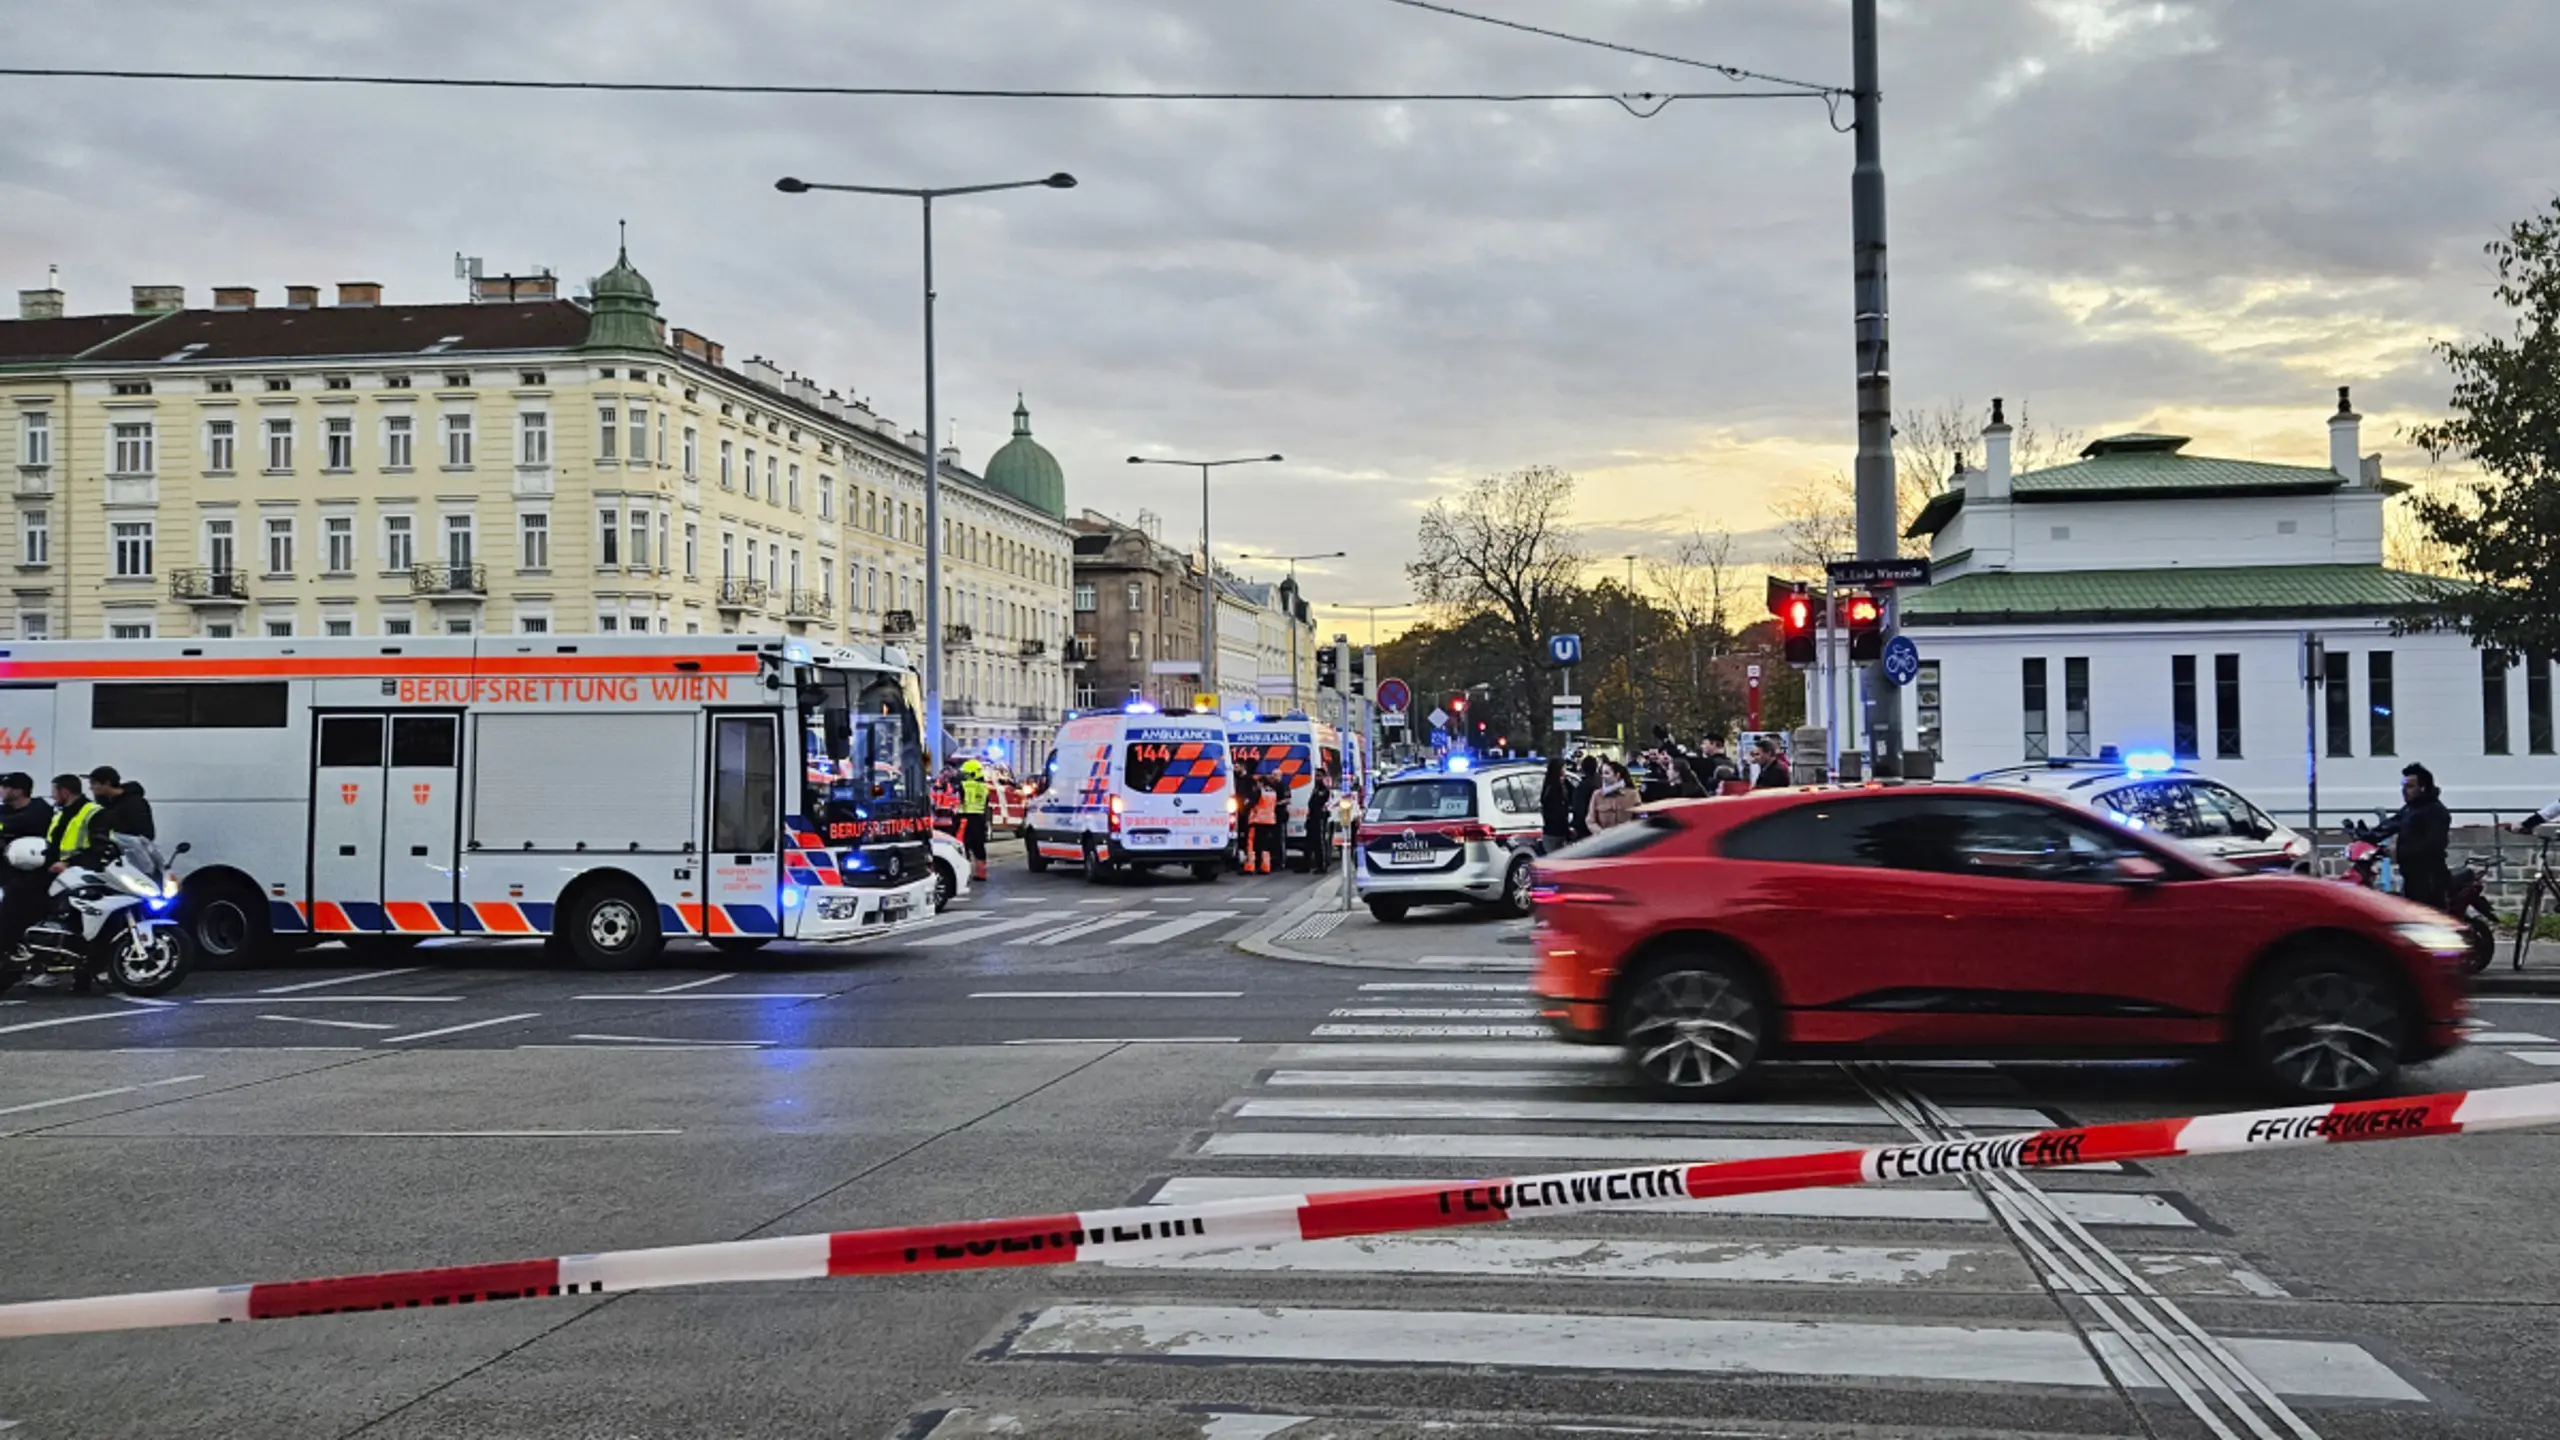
x: 183, y: 847
x: 2139, y: 871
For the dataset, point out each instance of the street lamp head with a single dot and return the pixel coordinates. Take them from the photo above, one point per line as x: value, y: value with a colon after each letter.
x: 1060, y: 181
x: 1271, y: 457
x: 791, y: 185
x: 1137, y: 459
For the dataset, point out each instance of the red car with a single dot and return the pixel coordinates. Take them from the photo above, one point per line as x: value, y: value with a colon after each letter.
x: 1948, y: 920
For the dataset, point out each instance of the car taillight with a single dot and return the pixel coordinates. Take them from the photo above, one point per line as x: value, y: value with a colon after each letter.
x: 1477, y: 831
x: 1571, y: 895
x: 1115, y: 814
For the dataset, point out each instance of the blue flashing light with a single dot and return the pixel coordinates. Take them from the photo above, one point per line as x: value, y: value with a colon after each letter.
x: 157, y: 903
x: 1240, y: 716
x: 790, y: 897
x: 995, y: 748
x: 2150, y: 762
x: 1137, y: 707
x: 1458, y: 765
x: 796, y: 654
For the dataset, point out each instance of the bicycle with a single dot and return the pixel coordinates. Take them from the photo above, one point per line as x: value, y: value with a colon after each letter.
x: 2538, y: 885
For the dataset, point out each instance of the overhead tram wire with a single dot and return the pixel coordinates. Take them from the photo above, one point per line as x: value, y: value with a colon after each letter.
x: 1643, y: 104
x: 1734, y: 73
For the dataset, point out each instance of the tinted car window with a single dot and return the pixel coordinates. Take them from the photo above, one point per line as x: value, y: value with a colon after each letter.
x: 1517, y: 794
x: 2157, y: 806
x: 2006, y: 839
x: 1834, y: 832
x: 1642, y: 833
x: 1948, y: 836
x: 2223, y: 812
x: 1424, y: 800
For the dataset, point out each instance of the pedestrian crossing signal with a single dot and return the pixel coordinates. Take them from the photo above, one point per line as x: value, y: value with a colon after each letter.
x: 1865, y: 619
x: 1795, y: 626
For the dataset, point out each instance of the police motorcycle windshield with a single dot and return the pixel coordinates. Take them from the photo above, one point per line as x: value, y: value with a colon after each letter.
x: 142, y: 858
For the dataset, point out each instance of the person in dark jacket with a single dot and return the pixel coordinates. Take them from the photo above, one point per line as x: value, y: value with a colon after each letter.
x: 1712, y: 766
x: 1248, y: 795
x: 1586, y: 784
x: 1555, y: 808
x: 1768, y: 768
x: 122, y: 810
x: 22, y: 892
x: 2424, y: 832
x: 1282, y: 792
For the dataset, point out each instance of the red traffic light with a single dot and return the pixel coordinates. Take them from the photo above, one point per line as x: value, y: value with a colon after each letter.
x: 1459, y: 704
x: 1799, y: 614
x: 1865, y: 618
x: 1795, y: 627
x: 1863, y: 611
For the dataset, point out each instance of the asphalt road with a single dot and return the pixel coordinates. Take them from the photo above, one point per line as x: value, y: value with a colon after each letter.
x: 1054, y: 1047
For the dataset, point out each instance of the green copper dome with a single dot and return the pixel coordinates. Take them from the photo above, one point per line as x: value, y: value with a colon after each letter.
x: 1025, y: 470
x: 626, y: 310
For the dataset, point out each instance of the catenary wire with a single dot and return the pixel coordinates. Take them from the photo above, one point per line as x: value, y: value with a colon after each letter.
x: 1731, y: 72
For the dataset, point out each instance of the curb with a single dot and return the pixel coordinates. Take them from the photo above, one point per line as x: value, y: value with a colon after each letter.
x: 1264, y: 940
x: 2490, y: 984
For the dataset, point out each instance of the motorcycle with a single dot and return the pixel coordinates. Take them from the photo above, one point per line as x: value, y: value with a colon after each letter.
x: 111, y: 919
x: 2466, y: 893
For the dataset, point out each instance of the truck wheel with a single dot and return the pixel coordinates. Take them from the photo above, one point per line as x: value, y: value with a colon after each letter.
x: 228, y: 924
x: 612, y: 925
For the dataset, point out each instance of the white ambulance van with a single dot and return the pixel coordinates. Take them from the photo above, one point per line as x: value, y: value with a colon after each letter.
x: 1291, y: 748
x: 1136, y: 789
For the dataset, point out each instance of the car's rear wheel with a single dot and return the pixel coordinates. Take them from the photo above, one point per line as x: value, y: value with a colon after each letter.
x: 1515, y: 887
x: 1694, y: 1026
x: 1388, y: 911
x: 1095, y: 867
x: 2325, y: 1024
x: 1205, y: 870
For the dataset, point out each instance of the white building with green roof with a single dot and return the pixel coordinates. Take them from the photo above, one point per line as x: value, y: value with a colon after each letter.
x: 2154, y: 601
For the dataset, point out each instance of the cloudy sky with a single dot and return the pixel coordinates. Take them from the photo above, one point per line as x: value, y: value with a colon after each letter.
x: 2199, y: 217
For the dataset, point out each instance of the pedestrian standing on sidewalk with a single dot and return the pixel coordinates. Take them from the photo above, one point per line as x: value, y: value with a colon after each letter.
x: 1266, y: 812
x: 1613, y: 802
x: 1319, y: 825
x: 1555, y: 809
x: 1280, y: 798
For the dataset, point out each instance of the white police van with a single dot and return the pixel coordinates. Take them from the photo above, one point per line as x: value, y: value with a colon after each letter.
x: 1135, y: 789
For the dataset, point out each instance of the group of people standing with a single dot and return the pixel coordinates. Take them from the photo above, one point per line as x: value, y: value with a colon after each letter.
x: 74, y: 823
x: 1262, y: 813
x: 1579, y: 801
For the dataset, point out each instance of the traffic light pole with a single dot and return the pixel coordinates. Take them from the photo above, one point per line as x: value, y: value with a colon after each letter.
x: 1830, y: 683
x: 1876, y: 504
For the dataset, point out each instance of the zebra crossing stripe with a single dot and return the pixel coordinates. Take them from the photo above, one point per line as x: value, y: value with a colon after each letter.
x: 1910, y: 1204
x: 1430, y: 1032
x: 1602, y: 1112
x: 1145, y: 1231
x: 977, y: 933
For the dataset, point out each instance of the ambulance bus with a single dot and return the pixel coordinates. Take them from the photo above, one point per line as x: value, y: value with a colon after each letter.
x: 605, y: 793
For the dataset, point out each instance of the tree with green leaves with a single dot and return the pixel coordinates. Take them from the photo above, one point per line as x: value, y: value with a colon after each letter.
x: 2505, y: 532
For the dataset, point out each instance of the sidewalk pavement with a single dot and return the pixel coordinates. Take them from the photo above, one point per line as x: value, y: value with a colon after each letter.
x: 1445, y: 939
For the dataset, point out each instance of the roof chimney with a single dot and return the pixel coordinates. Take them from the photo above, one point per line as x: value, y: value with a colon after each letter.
x: 509, y: 289
x: 45, y: 304
x: 301, y: 297
x: 2344, y: 434
x: 235, y: 297
x: 1995, y: 457
x: 359, y: 294
x: 158, y: 299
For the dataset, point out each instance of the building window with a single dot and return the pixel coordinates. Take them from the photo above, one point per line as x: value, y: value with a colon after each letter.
x: 751, y: 472
x: 795, y: 572
x: 399, y: 440
x: 826, y: 497
x: 397, y: 625
x: 337, y: 626
x: 35, y: 538
x: 608, y: 537
x: 457, y: 379
x: 338, y: 436
x: 338, y: 543
x: 279, y: 444
x: 607, y: 419
x: 457, y: 440
x: 132, y: 387
x: 2226, y: 707
x: 2182, y: 707
x: 457, y: 541
x: 220, y: 554
x: 535, y: 437
x: 871, y: 587
x: 1137, y: 597
x: 280, y: 629
x: 399, y: 543
x: 2381, y: 735
x: 221, y: 439
x: 662, y: 450
x: 639, y: 437
x: 279, y: 544
x: 771, y: 466
x: 751, y: 559
x: 34, y: 625
x: 1137, y: 645
x: 794, y: 500
x: 608, y: 624
x: 278, y: 382
x: 2339, y: 711
x: 724, y: 465
x: 129, y: 630
x: 692, y: 549
x: 2075, y: 705
x: 132, y: 545
x: 533, y: 624
x: 395, y: 382
x: 638, y: 548
x: 692, y: 453
x: 533, y: 540
x: 1931, y: 713
x: 1086, y: 598
x: 772, y: 568
x: 2033, y: 699
x: 827, y: 578
x: 2537, y: 704
x: 2493, y: 703
x: 35, y: 438
x: 728, y: 550
x: 664, y: 555
x: 337, y: 382
x: 133, y: 448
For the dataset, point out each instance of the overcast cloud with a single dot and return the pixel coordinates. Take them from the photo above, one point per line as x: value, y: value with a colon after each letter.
x: 2196, y: 216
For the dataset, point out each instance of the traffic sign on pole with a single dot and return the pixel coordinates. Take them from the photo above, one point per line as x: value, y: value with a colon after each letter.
x: 1394, y: 694
x: 1901, y: 660
x: 1439, y: 718
x: 1564, y: 649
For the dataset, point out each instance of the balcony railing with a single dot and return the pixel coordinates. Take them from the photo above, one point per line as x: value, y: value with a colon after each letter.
x: 898, y: 622
x: 209, y: 587
x: 809, y: 605
x: 742, y: 595
x: 1084, y: 647
x: 1030, y: 712
x: 958, y: 635
x: 449, y: 580
x: 1034, y: 649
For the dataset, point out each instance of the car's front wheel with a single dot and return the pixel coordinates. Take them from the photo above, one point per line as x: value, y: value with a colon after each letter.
x: 946, y: 883
x: 2325, y: 1024
x: 1694, y: 1026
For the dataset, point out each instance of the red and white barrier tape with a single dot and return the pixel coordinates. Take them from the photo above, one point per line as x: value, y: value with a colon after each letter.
x: 1278, y: 1219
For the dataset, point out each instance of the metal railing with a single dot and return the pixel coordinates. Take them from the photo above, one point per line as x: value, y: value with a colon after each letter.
x: 1033, y: 649
x: 898, y: 622
x: 449, y: 580
x: 958, y: 635
x: 809, y: 605
x: 218, y: 587
x: 742, y: 595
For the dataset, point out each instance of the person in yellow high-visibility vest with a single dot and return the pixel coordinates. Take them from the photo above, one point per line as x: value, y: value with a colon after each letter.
x: 974, y: 792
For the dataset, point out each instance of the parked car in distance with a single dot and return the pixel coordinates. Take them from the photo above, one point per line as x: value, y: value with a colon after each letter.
x: 2150, y: 793
x: 1974, y: 921
x: 1459, y: 835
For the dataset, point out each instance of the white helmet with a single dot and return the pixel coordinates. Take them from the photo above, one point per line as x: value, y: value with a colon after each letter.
x: 27, y: 852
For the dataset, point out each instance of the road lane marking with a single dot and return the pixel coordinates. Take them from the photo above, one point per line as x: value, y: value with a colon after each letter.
x: 458, y: 1029
x: 2089, y: 1207
x: 983, y: 932
x: 1090, y: 927
x: 96, y: 1095
x: 1979, y: 1354
x: 341, y: 980
x: 693, y: 984
x: 1525, y: 1051
x: 2536, y: 1057
x: 1177, y: 927
x: 146, y: 1002
x: 491, y: 1134
x: 71, y: 1020
x: 2515, y: 999
x: 1487, y: 987
x: 2508, y: 1037
x: 1435, y: 1079
x: 1714, y: 1262
x: 332, y: 1024
x: 716, y: 995
x: 1106, y: 995
x: 663, y: 1040
x: 677, y: 1047
x: 1428, y: 1012
x: 1477, y: 962
x: 1444, y: 1032
x: 1133, y: 1040
x: 1605, y: 1112
x: 332, y: 1000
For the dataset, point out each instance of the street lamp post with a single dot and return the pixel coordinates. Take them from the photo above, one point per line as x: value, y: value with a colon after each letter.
x: 1208, y: 565
x: 1633, y: 703
x: 1293, y: 560
x: 789, y: 185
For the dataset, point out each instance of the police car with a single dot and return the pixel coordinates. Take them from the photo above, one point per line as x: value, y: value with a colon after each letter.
x: 2152, y: 792
x: 1458, y: 833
